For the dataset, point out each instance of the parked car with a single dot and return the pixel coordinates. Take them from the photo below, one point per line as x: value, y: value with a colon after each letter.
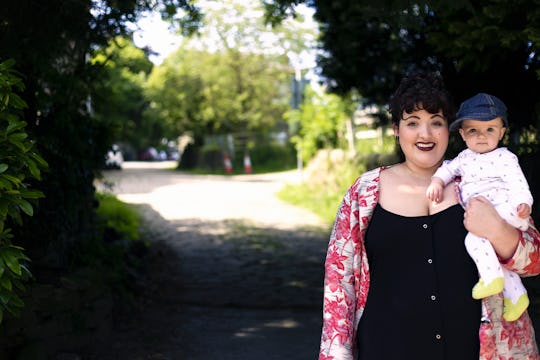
x: 149, y: 154
x: 114, y: 158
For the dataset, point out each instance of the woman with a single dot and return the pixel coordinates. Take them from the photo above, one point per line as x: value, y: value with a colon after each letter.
x: 398, y: 277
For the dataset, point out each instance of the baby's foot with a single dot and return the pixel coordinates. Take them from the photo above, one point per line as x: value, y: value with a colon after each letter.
x: 481, y: 290
x: 512, y: 311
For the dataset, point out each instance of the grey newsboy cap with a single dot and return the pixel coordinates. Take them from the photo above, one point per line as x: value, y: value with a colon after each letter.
x: 483, y: 107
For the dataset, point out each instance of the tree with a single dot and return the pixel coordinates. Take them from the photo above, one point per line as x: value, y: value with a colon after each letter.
x: 321, y: 122
x: 119, y: 101
x: 175, y: 92
x: 51, y: 42
x: 486, y: 45
x: 233, y: 77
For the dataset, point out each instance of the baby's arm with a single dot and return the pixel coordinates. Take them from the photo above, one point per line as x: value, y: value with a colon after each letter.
x: 434, y: 191
x: 523, y: 211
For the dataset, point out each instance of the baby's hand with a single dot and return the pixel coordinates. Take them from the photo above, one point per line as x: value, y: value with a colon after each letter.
x: 523, y: 211
x: 434, y: 192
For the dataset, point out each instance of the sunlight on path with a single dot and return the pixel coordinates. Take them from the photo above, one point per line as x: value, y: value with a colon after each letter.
x: 248, y: 197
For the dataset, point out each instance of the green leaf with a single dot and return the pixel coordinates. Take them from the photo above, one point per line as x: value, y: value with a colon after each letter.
x: 34, y: 170
x: 11, y: 262
x: 4, y: 204
x: 5, y: 184
x: 17, y: 102
x: 16, y: 301
x: 41, y: 162
x: 17, y: 142
x: 16, y: 181
x: 31, y: 194
x: 15, y: 126
x: 3, y: 167
x: 5, y: 283
x: 26, y: 207
x: 4, y: 297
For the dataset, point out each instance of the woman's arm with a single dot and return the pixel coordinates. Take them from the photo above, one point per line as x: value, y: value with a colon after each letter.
x: 338, y: 308
x: 518, y: 250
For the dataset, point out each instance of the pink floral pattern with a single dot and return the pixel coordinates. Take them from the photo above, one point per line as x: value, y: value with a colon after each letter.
x: 347, y: 284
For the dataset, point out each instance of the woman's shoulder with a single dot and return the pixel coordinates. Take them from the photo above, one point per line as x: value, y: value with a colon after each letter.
x: 372, y: 175
x: 369, y: 178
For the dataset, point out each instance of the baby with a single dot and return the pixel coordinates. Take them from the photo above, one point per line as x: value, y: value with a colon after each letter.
x: 493, y: 172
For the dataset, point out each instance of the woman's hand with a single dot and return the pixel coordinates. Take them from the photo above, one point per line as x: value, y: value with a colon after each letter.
x: 483, y: 220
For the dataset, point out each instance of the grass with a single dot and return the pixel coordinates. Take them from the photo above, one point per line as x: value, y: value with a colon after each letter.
x: 318, y: 199
x: 117, y: 215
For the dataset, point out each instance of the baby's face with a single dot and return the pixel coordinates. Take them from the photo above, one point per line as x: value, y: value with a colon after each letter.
x: 482, y: 136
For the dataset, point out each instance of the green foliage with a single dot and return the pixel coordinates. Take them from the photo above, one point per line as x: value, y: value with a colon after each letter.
x: 211, y: 158
x: 19, y: 162
x: 479, y: 46
x: 324, y: 185
x: 53, y: 44
x: 119, y: 99
x: 268, y: 157
x: 320, y: 122
x: 116, y: 250
x: 114, y: 214
x: 209, y: 93
x: 327, y: 177
x: 384, y: 145
x: 233, y: 77
x: 118, y: 228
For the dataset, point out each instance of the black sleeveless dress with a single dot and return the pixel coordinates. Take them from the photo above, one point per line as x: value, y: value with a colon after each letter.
x: 419, y: 305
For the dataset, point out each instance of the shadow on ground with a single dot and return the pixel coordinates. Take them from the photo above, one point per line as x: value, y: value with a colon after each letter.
x: 223, y: 290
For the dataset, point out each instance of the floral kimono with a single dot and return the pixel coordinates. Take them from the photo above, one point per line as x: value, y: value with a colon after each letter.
x: 347, y: 280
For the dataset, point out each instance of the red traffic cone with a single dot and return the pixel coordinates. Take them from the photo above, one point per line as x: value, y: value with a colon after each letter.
x: 227, y: 163
x: 247, y: 164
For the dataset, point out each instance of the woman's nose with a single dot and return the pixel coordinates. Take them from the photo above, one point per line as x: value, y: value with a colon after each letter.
x: 425, y: 130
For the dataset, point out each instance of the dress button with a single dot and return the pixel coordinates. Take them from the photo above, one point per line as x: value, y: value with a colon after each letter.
x: 430, y: 261
x: 433, y: 297
x: 424, y: 226
x: 438, y: 337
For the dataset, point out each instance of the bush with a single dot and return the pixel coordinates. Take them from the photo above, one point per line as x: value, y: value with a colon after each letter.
x: 211, y: 158
x: 327, y: 177
x: 271, y: 157
x: 18, y: 163
x: 114, y: 214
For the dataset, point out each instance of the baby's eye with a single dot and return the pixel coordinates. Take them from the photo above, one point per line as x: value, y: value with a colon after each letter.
x: 490, y: 129
x: 472, y: 131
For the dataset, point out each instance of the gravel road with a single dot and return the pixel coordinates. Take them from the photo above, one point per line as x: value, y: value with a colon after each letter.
x: 233, y: 272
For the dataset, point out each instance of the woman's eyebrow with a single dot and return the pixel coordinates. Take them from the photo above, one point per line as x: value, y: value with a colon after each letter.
x: 410, y: 117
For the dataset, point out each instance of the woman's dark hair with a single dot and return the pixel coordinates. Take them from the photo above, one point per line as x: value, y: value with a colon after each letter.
x: 421, y: 91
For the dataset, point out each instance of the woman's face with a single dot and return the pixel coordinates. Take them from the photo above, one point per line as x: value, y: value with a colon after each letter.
x: 423, y: 138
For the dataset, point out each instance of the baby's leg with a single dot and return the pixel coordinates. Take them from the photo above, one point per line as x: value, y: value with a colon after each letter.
x: 491, y: 274
x: 515, y: 295
x: 509, y: 213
